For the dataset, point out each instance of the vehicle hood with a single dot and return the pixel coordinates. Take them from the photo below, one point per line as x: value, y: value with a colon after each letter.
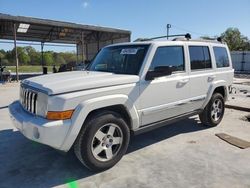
x: 66, y: 82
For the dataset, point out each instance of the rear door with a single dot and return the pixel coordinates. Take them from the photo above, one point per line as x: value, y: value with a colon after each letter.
x: 224, y: 71
x: 202, y: 74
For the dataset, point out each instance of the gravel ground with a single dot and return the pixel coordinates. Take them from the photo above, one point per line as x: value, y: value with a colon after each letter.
x: 245, y: 76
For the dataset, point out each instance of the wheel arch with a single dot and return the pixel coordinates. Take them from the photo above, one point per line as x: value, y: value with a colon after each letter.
x: 219, y: 87
x: 118, y: 103
x: 118, y: 108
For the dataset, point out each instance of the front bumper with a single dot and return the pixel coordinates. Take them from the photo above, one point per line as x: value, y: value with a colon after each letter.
x: 52, y: 133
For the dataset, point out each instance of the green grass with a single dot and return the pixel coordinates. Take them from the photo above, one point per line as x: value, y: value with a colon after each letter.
x: 28, y: 69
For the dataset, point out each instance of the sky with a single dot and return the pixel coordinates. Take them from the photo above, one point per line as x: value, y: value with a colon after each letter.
x: 144, y: 18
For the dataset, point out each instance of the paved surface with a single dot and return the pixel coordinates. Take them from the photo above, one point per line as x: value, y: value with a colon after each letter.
x: 183, y: 154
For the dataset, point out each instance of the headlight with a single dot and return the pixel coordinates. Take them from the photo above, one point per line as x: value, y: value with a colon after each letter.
x: 42, y: 104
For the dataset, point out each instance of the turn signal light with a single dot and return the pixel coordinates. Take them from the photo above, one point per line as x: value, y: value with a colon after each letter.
x: 59, y: 115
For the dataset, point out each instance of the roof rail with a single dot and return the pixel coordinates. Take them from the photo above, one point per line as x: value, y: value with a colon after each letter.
x: 217, y: 40
x: 187, y: 37
x: 183, y: 37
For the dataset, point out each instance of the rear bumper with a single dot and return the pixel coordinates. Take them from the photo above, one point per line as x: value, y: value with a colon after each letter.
x: 51, y: 133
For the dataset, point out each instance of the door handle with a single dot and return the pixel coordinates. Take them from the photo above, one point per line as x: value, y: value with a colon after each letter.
x: 184, y: 81
x: 211, y: 78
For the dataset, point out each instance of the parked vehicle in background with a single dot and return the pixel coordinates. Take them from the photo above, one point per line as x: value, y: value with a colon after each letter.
x: 5, y: 76
x: 128, y: 88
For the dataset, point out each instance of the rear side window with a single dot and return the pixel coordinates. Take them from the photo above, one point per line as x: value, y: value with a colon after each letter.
x: 172, y: 56
x: 199, y: 57
x: 221, y: 57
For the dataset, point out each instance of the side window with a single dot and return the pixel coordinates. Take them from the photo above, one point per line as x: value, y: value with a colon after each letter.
x: 221, y: 57
x: 199, y: 57
x: 172, y: 56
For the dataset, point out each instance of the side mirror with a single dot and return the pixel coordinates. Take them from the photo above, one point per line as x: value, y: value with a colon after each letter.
x: 158, y: 72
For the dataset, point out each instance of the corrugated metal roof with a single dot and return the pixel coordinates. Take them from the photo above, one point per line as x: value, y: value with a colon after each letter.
x: 45, y: 30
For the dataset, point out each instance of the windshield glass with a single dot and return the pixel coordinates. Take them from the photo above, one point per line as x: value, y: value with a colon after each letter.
x: 125, y: 59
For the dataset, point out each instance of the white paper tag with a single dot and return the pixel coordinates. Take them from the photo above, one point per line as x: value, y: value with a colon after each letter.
x: 129, y: 51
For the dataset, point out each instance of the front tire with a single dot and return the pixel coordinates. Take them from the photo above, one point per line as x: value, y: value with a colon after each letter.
x: 103, y: 141
x: 214, y: 111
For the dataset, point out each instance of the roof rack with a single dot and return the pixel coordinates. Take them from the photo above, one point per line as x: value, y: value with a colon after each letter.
x: 182, y: 37
x: 215, y: 40
x: 187, y: 37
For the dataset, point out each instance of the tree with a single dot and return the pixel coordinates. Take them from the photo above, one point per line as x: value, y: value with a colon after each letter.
x: 59, y: 59
x: 3, y: 59
x: 23, y: 57
x: 2, y: 55
x: 29, y: 56
x: 235, y: 40
x: 35, y: 57
x: 69, y: 57
x: 9, y: 56
x: 48, y: 58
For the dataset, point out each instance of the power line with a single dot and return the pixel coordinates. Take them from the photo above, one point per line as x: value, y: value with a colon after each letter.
x: 190, y: 31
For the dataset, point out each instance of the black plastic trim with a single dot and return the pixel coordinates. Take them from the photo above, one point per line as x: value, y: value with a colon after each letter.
x: 158, y: 124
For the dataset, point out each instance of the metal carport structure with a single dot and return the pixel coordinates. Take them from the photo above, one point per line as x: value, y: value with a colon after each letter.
x: 88, y: 39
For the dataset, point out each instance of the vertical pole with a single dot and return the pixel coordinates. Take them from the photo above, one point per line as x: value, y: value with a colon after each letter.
x: 42, y: 60
x: 87, y: 52
x: 76, y: 53
x: 82, y: 42
x: 111, y: 38
x: 17, y: 76
x: 98, y: 41
x: 168, y: 27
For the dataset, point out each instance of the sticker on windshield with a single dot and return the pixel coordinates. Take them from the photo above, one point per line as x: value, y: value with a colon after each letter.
x: 129, y: 51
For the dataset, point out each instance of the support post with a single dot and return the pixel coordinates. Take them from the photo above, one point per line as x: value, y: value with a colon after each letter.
x: 168, y: 27
x: 16, y: 55
x: 82, y: 43
x: 42, y: 60
x: 77, y: 52
x: 87, y: 52
x: 82, y: 40
x: 98, y: 41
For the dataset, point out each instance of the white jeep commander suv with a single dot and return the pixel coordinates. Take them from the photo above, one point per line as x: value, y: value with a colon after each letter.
x: 128, y: 88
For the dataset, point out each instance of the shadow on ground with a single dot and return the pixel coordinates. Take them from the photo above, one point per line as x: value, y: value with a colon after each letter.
x: 28, y: 164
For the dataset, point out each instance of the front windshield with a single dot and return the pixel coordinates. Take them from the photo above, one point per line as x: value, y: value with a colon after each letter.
x: 125, y: 59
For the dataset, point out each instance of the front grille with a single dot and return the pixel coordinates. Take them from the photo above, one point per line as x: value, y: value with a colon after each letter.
x: 28, y: 99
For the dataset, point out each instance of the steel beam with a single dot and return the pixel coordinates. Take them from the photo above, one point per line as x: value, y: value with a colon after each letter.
x: 16, y: 55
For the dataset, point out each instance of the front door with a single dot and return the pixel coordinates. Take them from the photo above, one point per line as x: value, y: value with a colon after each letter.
x: 166, y: 96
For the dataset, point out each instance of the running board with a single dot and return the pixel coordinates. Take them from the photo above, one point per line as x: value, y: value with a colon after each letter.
x: 155, y: 125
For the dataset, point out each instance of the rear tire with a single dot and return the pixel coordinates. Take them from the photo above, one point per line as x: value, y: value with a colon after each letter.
x: 103, y: 141
x: 214, y: 111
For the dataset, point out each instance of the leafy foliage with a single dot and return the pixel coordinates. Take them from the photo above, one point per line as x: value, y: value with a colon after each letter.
x: 29, y: 56
x: 235, y: 40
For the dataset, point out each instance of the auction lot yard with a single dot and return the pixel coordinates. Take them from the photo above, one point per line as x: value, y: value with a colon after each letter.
x: 184, y: 154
